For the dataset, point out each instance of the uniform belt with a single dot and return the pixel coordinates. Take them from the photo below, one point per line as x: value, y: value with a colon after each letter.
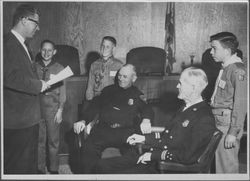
x: 114, y: 125
x: 221, y: 111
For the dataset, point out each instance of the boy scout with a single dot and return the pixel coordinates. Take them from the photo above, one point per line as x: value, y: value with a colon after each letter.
x: 52, y: 104
x: 229, y: 100
x: 103, y: 71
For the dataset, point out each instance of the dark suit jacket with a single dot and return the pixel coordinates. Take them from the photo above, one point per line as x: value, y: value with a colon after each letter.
x: 21, y: 86
x: 186, y: 135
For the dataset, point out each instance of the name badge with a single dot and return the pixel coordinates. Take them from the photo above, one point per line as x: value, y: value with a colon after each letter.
x: 222, y: 84
x: 51, y: 76
x: 112, y: 73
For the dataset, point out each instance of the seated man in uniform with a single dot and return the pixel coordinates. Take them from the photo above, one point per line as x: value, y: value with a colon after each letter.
x: 185, y: 136
x: 118, y: 107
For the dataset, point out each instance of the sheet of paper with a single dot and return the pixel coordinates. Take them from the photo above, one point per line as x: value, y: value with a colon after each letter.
x: 65, y: 73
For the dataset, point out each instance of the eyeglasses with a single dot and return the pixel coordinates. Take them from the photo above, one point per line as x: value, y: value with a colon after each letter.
x: 37, y: 23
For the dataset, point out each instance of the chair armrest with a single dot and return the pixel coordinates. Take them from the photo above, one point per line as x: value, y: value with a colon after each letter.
x: 84, y: 134
x: 178, y: 167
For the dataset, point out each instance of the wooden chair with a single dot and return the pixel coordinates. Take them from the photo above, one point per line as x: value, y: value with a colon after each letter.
x: 203, y: 163
x: 149, y: 61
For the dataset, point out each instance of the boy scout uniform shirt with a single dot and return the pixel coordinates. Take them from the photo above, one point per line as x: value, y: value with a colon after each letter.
x: 185, y: 137
x: 102, y: 73
x: 118, y: 106
x: 55, y: 97
x: 231, y: 94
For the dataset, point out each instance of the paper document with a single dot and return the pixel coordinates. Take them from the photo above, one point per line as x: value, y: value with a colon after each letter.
x: 65, y: 73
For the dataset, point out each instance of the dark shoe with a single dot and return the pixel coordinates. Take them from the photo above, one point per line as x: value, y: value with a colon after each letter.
x: 53, y: 172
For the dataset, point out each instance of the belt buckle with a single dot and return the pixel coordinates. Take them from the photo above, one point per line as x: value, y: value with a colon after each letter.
x: 115, y: 125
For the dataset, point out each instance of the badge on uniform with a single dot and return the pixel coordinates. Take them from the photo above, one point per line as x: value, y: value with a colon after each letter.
x: 185, y: 123
x: 112, y: 73
x: 241, y: 77
x: 130, y: 102
x: 222, y: 84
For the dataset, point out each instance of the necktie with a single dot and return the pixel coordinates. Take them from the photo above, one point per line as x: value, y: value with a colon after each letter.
x: 44, y: 70
x: 29, y: 50
x: 216, y: 86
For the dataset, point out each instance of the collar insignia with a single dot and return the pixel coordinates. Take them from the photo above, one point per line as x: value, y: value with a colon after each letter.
x: 130, y: 102
x: 185, y: 123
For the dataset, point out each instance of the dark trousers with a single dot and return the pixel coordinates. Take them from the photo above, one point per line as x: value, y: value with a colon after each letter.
x: 99, y: 139
x: 20, y: 150
x: 125, y: 164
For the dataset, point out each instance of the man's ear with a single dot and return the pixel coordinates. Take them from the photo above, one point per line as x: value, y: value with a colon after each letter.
x: 54, y: 52
x: 113, y: 50
x: 134, y: 78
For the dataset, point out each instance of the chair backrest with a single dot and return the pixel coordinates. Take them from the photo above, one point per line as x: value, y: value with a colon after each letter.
x: 207, y: 156
x: 147, y: 60
x: 67, y: 56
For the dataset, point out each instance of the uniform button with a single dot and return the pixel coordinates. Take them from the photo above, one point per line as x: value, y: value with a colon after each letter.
x: 170, y: 158
x: 166, y: 131
x: 151, y: 149
x: 165, y: 147
x: 159, y: 141
x: 171, y: 137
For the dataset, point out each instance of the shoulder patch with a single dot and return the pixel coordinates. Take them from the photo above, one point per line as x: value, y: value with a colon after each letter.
x: 240, y: 73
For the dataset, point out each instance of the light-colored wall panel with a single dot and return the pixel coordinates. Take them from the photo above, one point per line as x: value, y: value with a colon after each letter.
x: 134, y: 24
x: 196, y: 22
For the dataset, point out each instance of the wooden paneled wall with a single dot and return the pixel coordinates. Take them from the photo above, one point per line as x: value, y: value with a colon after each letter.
x: 196, y: 22
x: 83, y: 24
x: 134, y: 24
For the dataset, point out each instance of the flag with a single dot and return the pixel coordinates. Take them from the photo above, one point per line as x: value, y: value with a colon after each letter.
x: 170, y: 35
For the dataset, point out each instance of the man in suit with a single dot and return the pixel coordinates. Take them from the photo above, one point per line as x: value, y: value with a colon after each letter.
x: 21, y: 95
x: 185, y: 136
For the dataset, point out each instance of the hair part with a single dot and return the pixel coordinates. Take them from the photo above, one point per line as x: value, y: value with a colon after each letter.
x: 23, y: 11
x: 48, y: 41
x: 110, y: 38
x: 227, y: 40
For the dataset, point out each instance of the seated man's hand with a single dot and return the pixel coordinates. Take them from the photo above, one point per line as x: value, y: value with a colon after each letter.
x: 145, y: 126
x: 144, y: 158
x: 135, y: 138
x: 79, y: 126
